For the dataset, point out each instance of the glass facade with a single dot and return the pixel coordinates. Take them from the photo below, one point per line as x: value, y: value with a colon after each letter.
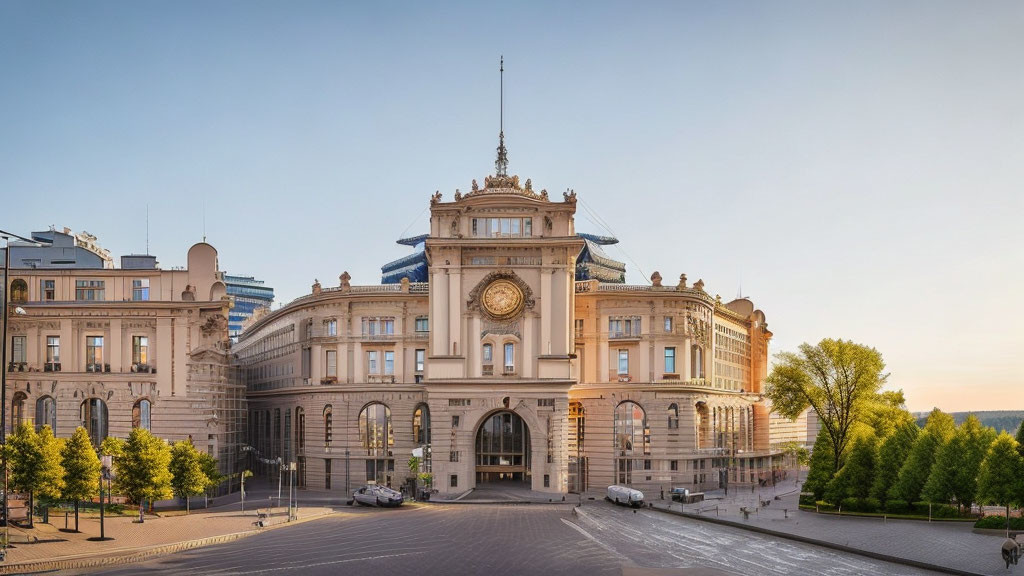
x: 248, y: 294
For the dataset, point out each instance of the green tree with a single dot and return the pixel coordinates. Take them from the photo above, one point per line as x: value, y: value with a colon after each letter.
x: 211, y: 470
x: 143, y: 470
x: 954, y: 476
x: 1020, y: 438
x: 854, y: 479
x: 886, y: 413
x: 34, y: 460
x: 81, y: 469
x: 821, y: 468
x: 891, y: 456
x: 1001, y: 479
x: 915, y: 470
x: 838, y: 379
x: 187, y: 471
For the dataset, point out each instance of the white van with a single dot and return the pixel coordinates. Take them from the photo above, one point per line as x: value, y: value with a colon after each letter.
x: 625, y: 496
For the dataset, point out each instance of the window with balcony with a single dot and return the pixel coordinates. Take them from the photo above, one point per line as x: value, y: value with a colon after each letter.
x: 510, y: 358
x: 623, y: 369
x: 624, y: 327
x: 488, y: 360
x: 140, y: 289
x: 422, y: 324
x: 94, y: 353
x: 48, y: 290
x: 378, y: 327
x: 88, y: 290
x: 371, y: 362
x: 52, y: 354
x: 18, y: 350
x: 389, y: 362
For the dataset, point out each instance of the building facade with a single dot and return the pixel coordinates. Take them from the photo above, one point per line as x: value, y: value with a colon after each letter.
x: 116, y: 349
x: 247, y: 294
x: 522, y: 358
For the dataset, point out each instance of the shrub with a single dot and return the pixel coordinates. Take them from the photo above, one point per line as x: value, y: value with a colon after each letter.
x: 115, y: 508
x: 896, y: 506
x: 850, y: 504
x: 937, y: 511
x: 823, y: 505
x: 999, y: 523
x: 870, y: 505
x: 807, y: 500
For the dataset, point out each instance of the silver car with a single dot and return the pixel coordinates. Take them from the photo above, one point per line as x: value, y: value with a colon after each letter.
x: 373, y: 495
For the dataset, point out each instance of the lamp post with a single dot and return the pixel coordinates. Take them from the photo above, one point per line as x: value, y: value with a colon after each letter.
x: 106, y: 464
x: 3, y: 369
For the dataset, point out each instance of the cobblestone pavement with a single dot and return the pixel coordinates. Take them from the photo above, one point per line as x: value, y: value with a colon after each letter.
x: 600, y: 539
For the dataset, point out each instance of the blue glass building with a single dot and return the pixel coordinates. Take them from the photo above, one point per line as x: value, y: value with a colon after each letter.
x: 248, y: 294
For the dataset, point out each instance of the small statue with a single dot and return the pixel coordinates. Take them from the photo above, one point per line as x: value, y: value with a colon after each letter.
x: 476, y: 187
x: 656, y: 279
x: 699, y: 285
x: 718, y: 299
x: 458, y: 195
x: 436, y: 197
x: 682, y: 282
x: 316, y: 287
x: 344, y: 279
x: 544, y: 195
x: 569, y: 196
x: 529, y: 185
x: 455, y: 227
x: 405, y: 284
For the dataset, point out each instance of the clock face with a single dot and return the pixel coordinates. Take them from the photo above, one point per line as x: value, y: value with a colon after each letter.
x: 502, y: 299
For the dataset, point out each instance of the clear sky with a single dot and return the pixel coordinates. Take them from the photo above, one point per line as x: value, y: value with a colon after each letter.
x: 856, y: 166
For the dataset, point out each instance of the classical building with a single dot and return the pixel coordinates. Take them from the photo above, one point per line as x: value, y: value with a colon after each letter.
x: 112, y: 349
x: 508, y: 349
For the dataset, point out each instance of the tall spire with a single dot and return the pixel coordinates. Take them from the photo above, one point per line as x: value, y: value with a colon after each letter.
x: 501, y: 164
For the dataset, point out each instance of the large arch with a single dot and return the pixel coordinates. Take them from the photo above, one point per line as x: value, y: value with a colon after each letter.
x: 502, y: 449
x: 377, y: 438
x: 632, y: 437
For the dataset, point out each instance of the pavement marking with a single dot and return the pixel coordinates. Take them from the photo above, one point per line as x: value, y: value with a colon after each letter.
x: 591, y: 537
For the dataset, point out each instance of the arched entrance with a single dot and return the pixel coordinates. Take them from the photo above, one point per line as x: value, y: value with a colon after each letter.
x: 503, y: 449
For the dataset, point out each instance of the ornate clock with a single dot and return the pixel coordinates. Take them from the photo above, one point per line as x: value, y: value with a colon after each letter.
x: 502, y: 299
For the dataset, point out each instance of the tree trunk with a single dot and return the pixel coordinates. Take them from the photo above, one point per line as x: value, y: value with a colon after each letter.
x: 31, y: 501
x: 76, y: 515
x: 142, y: 510
x: 188, y: 501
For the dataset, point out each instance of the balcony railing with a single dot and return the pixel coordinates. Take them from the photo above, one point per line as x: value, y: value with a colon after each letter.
x: 488, y: 370
x: 509, y: 371
x: 380, y: 337
x: 380, y: 378
x: 17, y: 366
x: 144, y: 368
x: 620, y: 334
x: 51, y: 367
x: 97, y: 367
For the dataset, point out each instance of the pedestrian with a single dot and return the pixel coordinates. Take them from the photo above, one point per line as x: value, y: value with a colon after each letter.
x: 1011, y: 552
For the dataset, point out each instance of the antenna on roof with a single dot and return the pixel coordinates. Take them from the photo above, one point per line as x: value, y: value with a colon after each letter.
x: 147, y: 229
x: 501, y: 164
x: 204, y: 220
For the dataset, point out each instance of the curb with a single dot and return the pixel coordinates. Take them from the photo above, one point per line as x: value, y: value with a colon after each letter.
x: 822, y: 543
x: 95, y: 559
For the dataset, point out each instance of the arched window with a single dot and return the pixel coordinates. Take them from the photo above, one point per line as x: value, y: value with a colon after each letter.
x: 696, y: 361
x: 673, y: 416
x: 18, y: 409
x: 421, y: 435
x: 375, y: 433
x: 141, y: 414
x: 46, y: 413
x: 94, y: 419
x: 377, y: 438
x: 702, y: 426
x: 328, y: 425
x: 300, y: 430
x: 19, y: 291
x: 632, y: 440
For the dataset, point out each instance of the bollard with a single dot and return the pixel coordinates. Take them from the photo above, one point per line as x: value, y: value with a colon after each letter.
x: 785, y: 511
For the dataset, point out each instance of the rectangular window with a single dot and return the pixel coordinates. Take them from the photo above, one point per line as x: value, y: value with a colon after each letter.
x: 670, y: 360
x: 546, y: 402
x: 674, y: 465
x: 527, y: 226
x: 624, y: 327
x: 455, y: 421
x: 89, y: 290
x: 18, y: 349
x: 387, y: 326
x: 488, y: 354
x: 47, y: 287
x: 140, y: 289
x: 332, y: 327
x: 453, y: 480
x: 422, y: 324
x: 420, y: 359
x: 623, y: 362
x: 459, y: 402
x: 327, y: 473
x: 389, y: 361
x: 332, y: 364
x: 52, y: 349
x: 371, y: 363
x: 94, y: 352
x: 579, y: 327
x: 453, y: 456
x: 668, y: 323
x: 547, y: 480
x: 140, y: 349
x: 510, y: 357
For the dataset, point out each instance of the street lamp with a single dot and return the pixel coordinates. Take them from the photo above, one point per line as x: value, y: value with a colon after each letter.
x: 3, y: 354
x: 106, y: 464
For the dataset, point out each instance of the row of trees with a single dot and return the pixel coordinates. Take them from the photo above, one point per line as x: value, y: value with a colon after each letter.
x: 145, y: 468
x: 871, y: 454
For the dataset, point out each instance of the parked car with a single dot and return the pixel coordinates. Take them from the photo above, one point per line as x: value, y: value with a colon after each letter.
x: 373, y: 495
x: 625, y: 496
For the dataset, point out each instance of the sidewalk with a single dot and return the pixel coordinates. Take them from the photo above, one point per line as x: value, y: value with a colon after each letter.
x: 167, y: 533
x: 951, y: 546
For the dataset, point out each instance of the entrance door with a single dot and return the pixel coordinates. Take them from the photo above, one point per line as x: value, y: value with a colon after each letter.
x: 503, y: 449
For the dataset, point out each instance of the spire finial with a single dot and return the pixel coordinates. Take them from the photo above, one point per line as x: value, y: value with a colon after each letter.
x: 501, y: 164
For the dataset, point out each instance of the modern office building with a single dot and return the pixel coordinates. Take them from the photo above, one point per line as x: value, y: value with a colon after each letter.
x: 112, y: 349
x: 247, y: 294
x: 509, y: 349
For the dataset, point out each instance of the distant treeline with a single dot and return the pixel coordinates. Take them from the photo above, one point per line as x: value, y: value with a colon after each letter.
x: 1007, y: 420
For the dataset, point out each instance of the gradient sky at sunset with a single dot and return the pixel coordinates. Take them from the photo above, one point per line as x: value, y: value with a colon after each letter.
x: 857, y: 167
